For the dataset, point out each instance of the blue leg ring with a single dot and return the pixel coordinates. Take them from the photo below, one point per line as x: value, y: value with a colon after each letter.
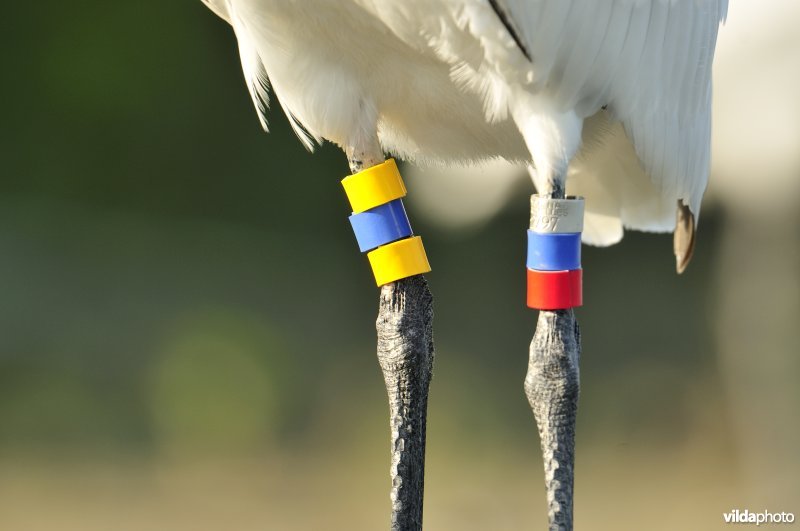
x: 381, y: 225
x: 554, y: 251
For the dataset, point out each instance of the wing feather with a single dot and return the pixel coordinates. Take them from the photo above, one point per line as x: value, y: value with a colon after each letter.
x: 257, y: 79
x: 585, y: 54
x: 617, y: 34
x: 648, y: 60
x: 255, y: 75
x: 544, y: 32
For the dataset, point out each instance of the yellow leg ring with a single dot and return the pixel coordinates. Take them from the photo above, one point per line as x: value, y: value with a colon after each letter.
x: 374, y: 186
x: 401, y: 259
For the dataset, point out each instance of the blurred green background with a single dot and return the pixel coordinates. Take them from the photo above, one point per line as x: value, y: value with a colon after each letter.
x: 187, y: 327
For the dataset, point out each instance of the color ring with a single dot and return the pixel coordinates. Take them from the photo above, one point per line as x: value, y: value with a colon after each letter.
x: 401, y: 259
x: 374, y: 186
x: 381, y: 225
x: 554, y: 251
x: 555, y: 290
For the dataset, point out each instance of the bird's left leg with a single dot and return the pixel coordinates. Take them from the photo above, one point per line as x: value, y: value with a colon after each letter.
x: 552, y: 381
x: 405, y: 354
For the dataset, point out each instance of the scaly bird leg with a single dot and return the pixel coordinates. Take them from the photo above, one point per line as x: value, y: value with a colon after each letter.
x: 552, y: 387
x: 405, y: 353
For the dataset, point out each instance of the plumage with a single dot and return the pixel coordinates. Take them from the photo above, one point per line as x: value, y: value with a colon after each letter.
x: 460, y: 81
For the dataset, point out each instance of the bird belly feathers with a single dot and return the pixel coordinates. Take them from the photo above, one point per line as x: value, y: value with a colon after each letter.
x: 337, y: 71
x: 440, y: 81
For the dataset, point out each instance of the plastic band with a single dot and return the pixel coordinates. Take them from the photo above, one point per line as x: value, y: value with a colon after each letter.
x: 401, y: 259
x: 554, y: 252
x: 555, y: 290
x: 374, y: 186
x: 556, y: 215
x: 381, y: 225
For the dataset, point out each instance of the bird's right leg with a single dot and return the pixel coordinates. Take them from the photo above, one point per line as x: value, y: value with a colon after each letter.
x: 405, y: 354
x: 552, y: 386
x: 552, y: 382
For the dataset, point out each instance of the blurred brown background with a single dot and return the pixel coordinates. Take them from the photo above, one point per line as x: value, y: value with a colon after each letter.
x: 186, y: 325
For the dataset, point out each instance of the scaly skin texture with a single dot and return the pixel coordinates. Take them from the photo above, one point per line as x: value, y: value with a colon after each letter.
x: 405, y: 354
x: 552, y: 386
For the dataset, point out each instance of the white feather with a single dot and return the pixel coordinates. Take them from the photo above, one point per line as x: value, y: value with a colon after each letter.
x: 339, y: 71
x: 445, y: 81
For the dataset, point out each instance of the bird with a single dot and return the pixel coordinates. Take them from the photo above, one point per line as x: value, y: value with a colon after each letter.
x: 607, y: 99
x: 610, y: 96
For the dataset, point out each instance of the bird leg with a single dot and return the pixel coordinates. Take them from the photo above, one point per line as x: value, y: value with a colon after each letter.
x: 552, y: 387
x: 405, y: 354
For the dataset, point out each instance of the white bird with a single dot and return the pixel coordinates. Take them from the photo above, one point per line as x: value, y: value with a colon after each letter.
x: 619, y: 88
x: 615, y: 94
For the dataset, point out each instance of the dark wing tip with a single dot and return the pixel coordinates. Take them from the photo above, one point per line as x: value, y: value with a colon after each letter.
x: 506, y: 21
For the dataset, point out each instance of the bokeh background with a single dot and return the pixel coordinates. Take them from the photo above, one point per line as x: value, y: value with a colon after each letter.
x: 187, y: 327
